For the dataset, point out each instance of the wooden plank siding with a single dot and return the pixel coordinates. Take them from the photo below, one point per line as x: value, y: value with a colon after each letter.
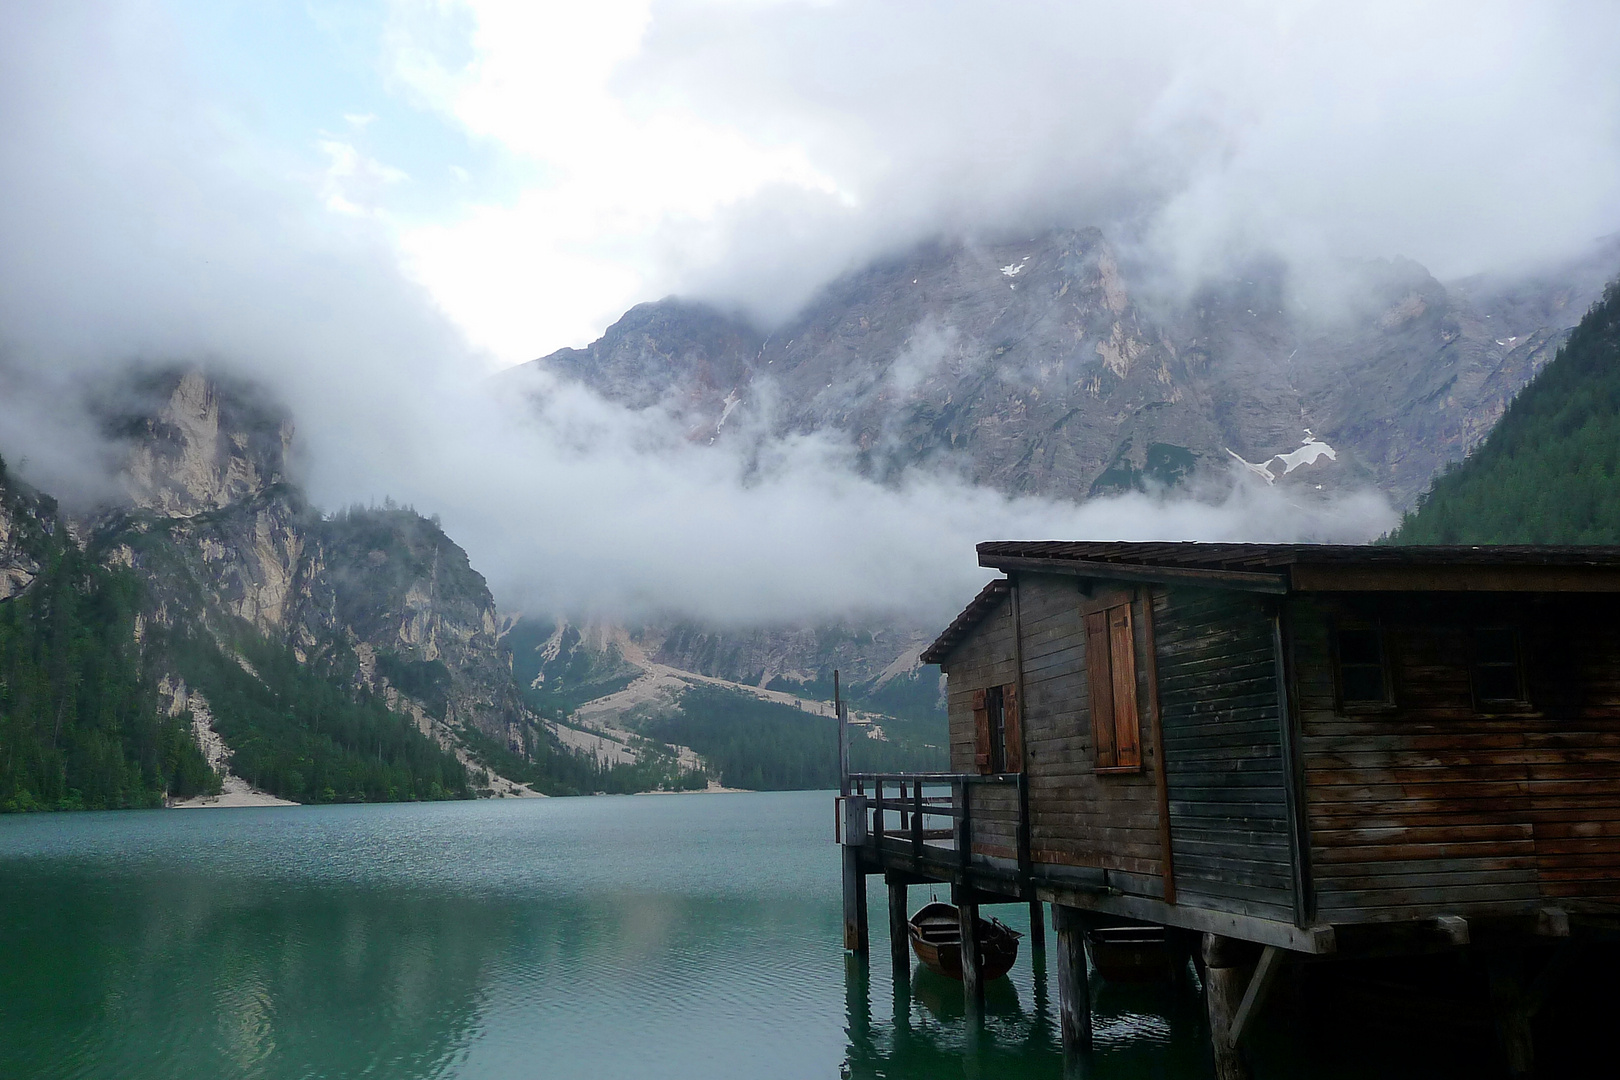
x: 1077, y: 817
x: 1432, y: 807
x: 1221, y: 714
x: 982, y: 660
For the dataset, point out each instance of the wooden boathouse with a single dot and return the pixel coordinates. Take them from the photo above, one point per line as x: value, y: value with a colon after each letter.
x: 1283, y: 753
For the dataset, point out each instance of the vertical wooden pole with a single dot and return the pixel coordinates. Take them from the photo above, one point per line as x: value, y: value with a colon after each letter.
x: 1224, y: 982
x: 843, y: 737
x: 1037, y: 926
x: 972, y: 980
x: 855, y: 935
x: 1074, y: 989
x: 1512, y: 1014
x: 899, y: 936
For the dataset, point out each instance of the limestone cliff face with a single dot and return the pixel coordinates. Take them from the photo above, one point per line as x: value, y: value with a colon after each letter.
x: 223, y: 536
x: 26, y: 519
x: 197, y: 444
x: 1047, y: 365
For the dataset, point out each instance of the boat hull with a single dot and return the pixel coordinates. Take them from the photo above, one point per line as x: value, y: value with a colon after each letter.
x: 936, y: 939
x: 1131, y: 954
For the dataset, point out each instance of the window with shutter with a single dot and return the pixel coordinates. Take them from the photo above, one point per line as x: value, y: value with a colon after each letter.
x: 998, y: 738
x: 1116, y: 730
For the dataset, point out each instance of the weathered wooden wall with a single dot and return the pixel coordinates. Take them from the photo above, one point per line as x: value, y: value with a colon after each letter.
x: 1431, y: 807
x: 1077, y: 817
x: 1221, y: 713
x: 982, y: 660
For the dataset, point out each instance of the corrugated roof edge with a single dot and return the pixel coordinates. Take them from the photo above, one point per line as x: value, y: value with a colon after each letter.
x: 977, y: 609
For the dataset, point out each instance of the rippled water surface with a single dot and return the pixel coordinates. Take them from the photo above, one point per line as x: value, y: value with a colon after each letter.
x: 685, y: 936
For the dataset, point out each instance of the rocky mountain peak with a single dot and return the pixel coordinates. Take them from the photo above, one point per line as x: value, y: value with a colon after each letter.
x: 1043, y: 364
x: 196, y: 443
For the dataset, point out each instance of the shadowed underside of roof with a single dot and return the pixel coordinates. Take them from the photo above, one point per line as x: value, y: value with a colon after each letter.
x: 1288, y: 568
x: 1276, y: 556
x: 977, y: 609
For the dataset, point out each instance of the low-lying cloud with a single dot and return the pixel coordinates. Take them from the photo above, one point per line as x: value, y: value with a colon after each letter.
x: 139, y: 226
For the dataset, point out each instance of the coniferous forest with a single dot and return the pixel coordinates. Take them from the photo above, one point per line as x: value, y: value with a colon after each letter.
x: 80, y: 726
x: 1549, y: 472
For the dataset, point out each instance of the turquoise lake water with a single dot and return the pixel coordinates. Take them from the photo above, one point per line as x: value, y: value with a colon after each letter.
x: 674, y: 936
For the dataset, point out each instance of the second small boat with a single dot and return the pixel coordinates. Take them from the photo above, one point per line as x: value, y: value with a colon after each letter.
x: 936, y: 938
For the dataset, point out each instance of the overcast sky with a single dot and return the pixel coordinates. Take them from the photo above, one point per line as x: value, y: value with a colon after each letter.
x: 371, y: 204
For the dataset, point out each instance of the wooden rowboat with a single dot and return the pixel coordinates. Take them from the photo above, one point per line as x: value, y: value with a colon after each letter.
x: 936, y: 937
x: 1130, y: 953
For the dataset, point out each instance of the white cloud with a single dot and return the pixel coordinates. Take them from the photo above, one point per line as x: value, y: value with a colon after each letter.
x: 581, y: 244
x: 747, y: 152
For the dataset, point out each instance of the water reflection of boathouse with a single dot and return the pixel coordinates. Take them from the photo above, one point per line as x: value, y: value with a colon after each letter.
x: 1286, y: 754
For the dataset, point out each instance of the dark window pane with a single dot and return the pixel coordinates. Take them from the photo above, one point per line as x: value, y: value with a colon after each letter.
x: 1360, y: 645
x: 1497, y: 682
x: 1362, y: 683
x: 1496, y: 645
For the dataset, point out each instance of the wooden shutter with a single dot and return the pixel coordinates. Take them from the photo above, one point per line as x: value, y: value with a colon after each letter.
x: 1127, y: 723
x: 981, y: 732
x: 1100, y: 677
x: 1013, y: 721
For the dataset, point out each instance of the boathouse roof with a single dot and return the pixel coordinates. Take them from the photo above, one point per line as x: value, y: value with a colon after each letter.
x: 1287, y: 568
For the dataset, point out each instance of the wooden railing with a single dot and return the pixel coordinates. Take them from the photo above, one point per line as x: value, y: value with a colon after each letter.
x: 918, y: 800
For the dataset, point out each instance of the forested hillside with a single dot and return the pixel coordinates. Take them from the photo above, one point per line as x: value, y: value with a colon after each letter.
x: 1549, y: 472
x: 80, y: 726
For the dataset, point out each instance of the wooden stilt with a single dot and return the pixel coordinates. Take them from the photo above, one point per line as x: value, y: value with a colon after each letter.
x: 855, y: 937
x: 972, y: 982
x: 1074, y: 989
x: 1512, y: 1014
x: 899, y: 938
x: 1037, y: 927
x: 1225, y: 980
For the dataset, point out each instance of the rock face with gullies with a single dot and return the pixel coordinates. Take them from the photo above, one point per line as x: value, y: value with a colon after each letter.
x: 1043, y: 365
x: 223, y: 537
x: 27, y: 519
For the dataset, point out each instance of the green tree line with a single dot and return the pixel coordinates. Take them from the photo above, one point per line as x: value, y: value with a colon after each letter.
x: 767, y: 746
x: 1547, y: 473
x: 80, y: 726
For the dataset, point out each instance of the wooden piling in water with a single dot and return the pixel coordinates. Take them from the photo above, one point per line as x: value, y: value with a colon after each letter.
x: 855, y: 935
x: 1037, y: 927
x: 899, y: 936
x: 1225, y: 979
x: 1074, y: 990
x: 1512, y: 1013
x: 972, y: 978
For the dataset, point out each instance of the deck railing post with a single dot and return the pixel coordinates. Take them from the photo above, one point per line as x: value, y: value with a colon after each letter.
x: 879, y: 817
x: 917, y: 819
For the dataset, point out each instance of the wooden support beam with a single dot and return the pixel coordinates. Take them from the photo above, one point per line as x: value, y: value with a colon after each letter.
x: 1265, y: 973
x: 855, y: 934
x: 1074, y: 989
x: 972, y: 977
x: 1548, y: 977
x: 1552, y: 922
x: 899, y: 935
x: 1512, y: 1013
x: 1037, y: 927
x: 1224, y: 985
x: 1454, y: 927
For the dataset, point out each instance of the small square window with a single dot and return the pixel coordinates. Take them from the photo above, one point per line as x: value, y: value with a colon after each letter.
x: 1363, y: 673
x: 1498, y: 673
